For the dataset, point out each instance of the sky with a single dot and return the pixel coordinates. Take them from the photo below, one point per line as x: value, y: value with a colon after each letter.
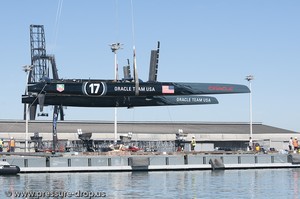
x: 209, y: 41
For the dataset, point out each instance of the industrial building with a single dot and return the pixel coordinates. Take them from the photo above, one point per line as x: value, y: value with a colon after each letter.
x: 209, y: 135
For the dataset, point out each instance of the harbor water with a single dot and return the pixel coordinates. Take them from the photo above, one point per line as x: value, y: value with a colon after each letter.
x: 251, y: 183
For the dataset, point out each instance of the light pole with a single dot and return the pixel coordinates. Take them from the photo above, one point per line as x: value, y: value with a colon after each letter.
x: 114, y: 48
x: 249, y: 78
x: 27, y: 69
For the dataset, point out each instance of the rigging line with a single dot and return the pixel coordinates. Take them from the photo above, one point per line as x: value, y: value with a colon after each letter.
x: 117, y: 19
x: 29, y: 106
x: 36, y: 98
x: 172, y: 121
x: 132, y: 24
x: 136, y: 79
x: 133, y: 119
x: 57, y: 20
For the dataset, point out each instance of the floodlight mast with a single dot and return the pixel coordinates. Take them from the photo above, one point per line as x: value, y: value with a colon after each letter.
x: 249, y: 78
x: 27, y: 69
x: 114, y: 48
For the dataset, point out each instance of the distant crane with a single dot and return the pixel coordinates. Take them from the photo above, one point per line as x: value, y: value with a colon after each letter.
x: 41, y: 64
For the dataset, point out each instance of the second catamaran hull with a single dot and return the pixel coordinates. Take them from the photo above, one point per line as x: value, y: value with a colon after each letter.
x: 87, y: 101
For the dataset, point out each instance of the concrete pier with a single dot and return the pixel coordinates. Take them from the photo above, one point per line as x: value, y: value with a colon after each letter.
x: 95, y: 162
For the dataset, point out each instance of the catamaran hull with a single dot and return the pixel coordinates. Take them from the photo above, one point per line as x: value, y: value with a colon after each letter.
x: 88, y: 101
x: 107, y: 88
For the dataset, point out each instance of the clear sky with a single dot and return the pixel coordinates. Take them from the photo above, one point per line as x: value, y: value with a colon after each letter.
x: 211, y: 41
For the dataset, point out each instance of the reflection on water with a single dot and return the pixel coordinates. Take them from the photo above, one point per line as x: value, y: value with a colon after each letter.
x: 264, y: 183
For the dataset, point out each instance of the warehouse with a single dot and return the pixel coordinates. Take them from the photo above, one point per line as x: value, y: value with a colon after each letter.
x: 227, y: 135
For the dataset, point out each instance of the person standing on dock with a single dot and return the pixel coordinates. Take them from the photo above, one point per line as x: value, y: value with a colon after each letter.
x: 295, y: 144
x: 193, y: 143
x: 250, y: 144
x: 12, y: 144
x: 291, y: 147
x: 1, y: 145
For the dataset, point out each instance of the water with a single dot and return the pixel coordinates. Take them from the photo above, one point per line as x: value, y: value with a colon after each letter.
x: 262, y: 183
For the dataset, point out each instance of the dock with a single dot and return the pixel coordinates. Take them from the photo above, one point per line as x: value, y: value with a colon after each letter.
x: 128, y: 162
